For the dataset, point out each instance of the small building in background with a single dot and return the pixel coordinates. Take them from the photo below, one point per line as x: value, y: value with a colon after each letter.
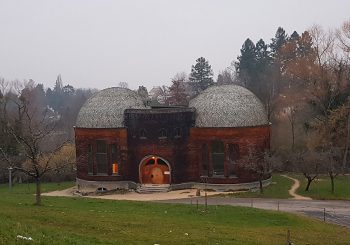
x: 123, y: 143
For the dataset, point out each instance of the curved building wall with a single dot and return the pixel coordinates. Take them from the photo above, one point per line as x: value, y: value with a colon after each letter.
x: 89, y: 154
x: 236, y: 143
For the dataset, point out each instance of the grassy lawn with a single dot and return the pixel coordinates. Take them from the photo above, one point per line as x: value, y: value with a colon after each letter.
x: 277, y: 189
x: 321, y: 188
x: 92, y: 221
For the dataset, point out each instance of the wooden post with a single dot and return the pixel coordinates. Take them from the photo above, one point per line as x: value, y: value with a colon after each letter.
x: 288, y: 238
x: 324, y: 214
x: 210, y: 162
x: 10, y: 178
x: 197, y: 203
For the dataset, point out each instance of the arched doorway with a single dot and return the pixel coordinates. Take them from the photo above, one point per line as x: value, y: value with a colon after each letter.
x: 154, y: 170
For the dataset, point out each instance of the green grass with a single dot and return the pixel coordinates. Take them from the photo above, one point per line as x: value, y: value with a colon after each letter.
x: 321, y: 188
x: 277, y: 189
x: 94, y: 221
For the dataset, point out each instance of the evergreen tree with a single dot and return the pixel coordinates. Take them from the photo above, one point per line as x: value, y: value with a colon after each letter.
x: 305, y: 46
x: 263, y: 58
x: 68, y: 90
x: 246, y: 65
x: 142, y: 92
x: 201, y: 75
x: 278, y: 41
x: 58, y: 85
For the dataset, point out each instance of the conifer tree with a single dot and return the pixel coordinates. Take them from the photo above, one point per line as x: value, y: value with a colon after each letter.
x: 201, y: 75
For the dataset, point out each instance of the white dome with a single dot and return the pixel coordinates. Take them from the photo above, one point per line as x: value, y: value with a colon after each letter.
x: 228, y: 106
x: 105, y: 109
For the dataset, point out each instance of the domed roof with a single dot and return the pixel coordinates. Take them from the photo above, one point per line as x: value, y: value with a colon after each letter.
x: 105, y: 109
x: 228, y: 106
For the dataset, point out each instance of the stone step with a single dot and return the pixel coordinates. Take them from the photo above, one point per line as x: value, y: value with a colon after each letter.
x: 152, y: 188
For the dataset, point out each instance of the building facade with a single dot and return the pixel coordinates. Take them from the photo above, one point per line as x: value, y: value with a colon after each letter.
x: 122, y: 143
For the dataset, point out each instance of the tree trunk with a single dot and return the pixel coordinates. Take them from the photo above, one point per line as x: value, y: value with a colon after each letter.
x: 261, y: 186
x: 38, y: 192
x: 332, y: 182
x: 293, y: 136
x: 346, y: 145
x: 309, y: 180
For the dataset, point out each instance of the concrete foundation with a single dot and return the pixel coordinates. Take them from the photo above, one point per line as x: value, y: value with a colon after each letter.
x: 92, y: 186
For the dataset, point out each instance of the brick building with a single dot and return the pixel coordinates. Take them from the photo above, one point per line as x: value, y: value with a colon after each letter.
x: 122, y: 143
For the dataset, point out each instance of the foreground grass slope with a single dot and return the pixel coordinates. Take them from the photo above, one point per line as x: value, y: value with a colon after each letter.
x: 95, y: 221
x: 321, y: 187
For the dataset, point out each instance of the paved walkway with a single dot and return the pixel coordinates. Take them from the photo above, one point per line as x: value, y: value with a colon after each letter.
x: 295, y: 186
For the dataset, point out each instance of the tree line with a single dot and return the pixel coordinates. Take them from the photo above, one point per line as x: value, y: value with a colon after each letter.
x: 302, y: 79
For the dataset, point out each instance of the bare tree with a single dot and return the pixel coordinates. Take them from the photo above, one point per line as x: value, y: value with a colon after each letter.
x: 123, y: 85
x: 163, y: 94
x: 177, y: 90
x: 261, y: 163
x: 307, y: 163
x: 31, y: 128
x: 343, y: 35
x: 226, y: 77
x: 331, y: 163
x: 291, y: 113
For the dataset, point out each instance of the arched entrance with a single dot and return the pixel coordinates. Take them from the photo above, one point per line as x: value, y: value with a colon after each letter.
x: 154, y: 170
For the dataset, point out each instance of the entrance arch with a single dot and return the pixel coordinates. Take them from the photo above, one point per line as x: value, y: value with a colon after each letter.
x: 154, y: 170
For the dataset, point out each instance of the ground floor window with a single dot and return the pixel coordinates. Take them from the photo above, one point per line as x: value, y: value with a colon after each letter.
x: 90, y: 160
x: 103, y: 158
x: 115, y: 161
x: 218, y: 157
x: 232, y: 158
x: 205, y: 160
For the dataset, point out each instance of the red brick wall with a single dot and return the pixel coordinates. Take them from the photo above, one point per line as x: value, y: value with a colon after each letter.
x: 183, y: 154
x: 84, y: 137
x: 246, y: 137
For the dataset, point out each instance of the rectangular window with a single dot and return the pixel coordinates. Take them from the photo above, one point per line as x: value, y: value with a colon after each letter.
x: 115, y: 163
x: 205, y: 160
x: 233, y: 157
x: 218, y: 156
x: 101, y: 157
x: 90, y: 160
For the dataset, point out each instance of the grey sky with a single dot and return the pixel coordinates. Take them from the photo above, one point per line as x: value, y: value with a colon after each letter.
x: 100, y: 43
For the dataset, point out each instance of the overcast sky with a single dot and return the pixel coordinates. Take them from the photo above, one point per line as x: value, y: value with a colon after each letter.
x: 97, y: 44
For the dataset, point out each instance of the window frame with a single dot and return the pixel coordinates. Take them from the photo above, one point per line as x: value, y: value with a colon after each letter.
x: 105, y: 154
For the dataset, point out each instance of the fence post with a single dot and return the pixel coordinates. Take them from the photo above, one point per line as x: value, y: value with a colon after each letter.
x: 324, y: 214
x: 288, y: 238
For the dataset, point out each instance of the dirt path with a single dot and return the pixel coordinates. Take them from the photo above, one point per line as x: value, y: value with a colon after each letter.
x: 294, y: 187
